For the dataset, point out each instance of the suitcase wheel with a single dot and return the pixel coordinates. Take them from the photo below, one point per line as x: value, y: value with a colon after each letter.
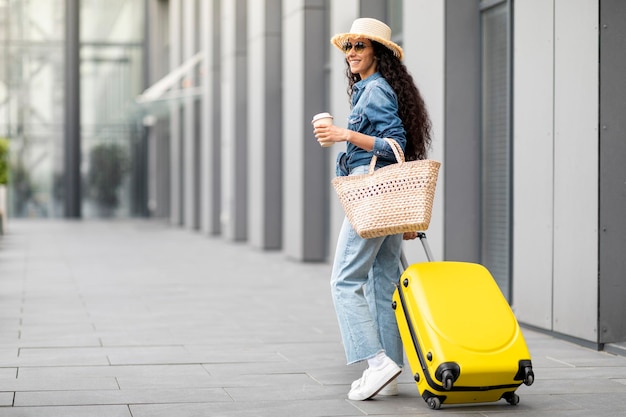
x: 448, y: 380
x: 434, y: 403
x: 525, y: 372
x: 529, y: 376
x: 511, y: 398
x: 447, y: 373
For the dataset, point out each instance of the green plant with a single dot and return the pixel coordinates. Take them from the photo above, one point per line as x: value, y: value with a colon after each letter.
x: 4, y: 161
x: 108, y: 165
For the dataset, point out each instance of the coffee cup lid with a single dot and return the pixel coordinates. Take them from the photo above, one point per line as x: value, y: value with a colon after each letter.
x: 321, y: 116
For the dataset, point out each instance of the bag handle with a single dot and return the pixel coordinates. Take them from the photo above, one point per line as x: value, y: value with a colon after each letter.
x: 397, y: 151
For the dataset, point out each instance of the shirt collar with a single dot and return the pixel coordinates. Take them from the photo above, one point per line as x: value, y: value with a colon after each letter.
x: 362, y: 83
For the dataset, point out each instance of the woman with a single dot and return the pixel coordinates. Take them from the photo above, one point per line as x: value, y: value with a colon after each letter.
x: 385, y: 103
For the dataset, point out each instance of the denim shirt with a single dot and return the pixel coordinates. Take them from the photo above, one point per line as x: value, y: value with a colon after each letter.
x: 374, y: 113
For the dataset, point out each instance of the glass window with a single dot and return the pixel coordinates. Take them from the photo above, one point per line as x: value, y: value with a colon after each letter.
x: 111, y: 76
x: 31, y: 104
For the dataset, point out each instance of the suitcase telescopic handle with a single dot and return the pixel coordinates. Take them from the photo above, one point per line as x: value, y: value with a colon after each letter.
x: 429, y: 254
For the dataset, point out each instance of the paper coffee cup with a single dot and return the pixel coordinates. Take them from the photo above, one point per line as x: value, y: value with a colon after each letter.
x: 323, y: 119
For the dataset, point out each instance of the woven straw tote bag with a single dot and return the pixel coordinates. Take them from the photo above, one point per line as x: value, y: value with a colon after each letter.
x: 394, y: 199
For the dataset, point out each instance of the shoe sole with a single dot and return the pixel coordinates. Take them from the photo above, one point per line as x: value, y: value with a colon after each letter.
x: 390, y: 393
x: 386, y: 383
x: 379, y: 389
x: 382, y: 392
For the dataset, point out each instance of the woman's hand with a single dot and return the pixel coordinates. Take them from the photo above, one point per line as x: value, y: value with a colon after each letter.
x: 329, y: 134
x: 409, y: 235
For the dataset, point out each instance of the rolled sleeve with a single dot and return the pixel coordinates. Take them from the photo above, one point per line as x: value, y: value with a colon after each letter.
x: 382, y: 149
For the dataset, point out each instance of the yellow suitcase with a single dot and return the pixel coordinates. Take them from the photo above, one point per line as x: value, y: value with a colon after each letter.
x: 462, y: 340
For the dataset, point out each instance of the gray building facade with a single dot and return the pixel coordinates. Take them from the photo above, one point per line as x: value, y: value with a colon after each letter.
x: 525, y: 98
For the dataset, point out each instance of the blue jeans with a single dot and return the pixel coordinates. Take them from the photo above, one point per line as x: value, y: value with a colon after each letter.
x: 363, y: 280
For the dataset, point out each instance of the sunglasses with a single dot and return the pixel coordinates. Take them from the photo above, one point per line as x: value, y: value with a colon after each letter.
x: 358, y: 47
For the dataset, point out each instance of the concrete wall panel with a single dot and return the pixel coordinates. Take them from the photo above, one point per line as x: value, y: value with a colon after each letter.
x: 424, y: 43
x: 265, y: 125
x: 342, y: 14
x: 176, y: 139
x: 576, y: 168
x: 533, y: 162
x: 462, y: 170
x: 210, y: 165
x: 305, y: 182
x: 234, y: 78
x: 190, y: 167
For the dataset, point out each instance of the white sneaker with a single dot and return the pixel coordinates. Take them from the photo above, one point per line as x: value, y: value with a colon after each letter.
x: 374, y: 380
x: 389, y: 390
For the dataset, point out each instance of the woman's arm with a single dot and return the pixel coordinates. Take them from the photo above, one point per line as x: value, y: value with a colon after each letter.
x: 332, y: 133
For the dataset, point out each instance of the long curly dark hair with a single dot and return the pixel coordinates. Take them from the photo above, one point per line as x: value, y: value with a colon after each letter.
x: 411, y: 106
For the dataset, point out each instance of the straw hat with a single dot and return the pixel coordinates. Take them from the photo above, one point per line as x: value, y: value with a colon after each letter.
x: 371, y: 29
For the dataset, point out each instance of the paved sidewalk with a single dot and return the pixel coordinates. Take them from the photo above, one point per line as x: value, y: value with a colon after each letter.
x: 137, y: 318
